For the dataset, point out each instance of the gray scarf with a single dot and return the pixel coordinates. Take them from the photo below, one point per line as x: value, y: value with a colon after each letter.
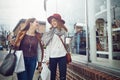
x: 47, y: 36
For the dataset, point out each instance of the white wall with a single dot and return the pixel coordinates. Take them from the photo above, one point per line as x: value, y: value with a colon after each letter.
x: 91, y: 25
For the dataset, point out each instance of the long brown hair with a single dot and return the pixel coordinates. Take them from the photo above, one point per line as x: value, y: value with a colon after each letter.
x: 27, y: 24
x: 61, y: 25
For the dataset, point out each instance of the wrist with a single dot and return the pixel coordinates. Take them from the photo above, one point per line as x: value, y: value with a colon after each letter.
x: 39, y: 63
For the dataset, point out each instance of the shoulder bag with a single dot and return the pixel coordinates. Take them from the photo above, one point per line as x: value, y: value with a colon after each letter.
x: 8, y: 65
x: 68, y: 55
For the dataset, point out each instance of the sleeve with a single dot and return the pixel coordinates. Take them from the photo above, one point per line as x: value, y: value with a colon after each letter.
x: 47, y: 52
x: 39, y: 53
x: 47, y: 36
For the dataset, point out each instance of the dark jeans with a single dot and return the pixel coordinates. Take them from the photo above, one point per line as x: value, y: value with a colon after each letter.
x: 30, y: 65
x: 62, y: 64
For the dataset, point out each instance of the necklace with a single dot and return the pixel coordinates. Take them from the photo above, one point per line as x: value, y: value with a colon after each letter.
x: 30, y: 43
x: 30, y: 33
x: 30, y: 46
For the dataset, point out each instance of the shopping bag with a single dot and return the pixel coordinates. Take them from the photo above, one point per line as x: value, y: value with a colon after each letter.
x: 37, y: 75
x: 45, y: 73
x: 20, y: 62
x: 8, y: 65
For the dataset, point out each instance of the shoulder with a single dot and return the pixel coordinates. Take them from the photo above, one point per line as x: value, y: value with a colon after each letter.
x: 38, y: 35
x: 21, y: 33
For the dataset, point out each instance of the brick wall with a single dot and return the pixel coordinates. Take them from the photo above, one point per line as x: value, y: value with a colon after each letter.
x: 83, y: 72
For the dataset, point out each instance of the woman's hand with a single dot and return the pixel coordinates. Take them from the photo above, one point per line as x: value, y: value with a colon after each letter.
x: 39, y: 68
x: 47, y: 62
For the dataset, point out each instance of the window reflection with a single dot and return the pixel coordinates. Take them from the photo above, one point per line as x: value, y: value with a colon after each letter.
x: 79, y: 40
x: 101, y: 35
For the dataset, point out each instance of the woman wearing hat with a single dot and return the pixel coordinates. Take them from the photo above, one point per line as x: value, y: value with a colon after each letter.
x: 54, y: 46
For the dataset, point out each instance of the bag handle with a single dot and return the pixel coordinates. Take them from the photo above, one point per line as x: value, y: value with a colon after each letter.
x: 63, y: 44
x: 11, y: 50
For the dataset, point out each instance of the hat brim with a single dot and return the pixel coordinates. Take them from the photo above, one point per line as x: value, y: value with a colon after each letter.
x: 51, y: 17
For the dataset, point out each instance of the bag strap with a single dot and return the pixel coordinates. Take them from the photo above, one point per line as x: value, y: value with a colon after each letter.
x: 63, y: 43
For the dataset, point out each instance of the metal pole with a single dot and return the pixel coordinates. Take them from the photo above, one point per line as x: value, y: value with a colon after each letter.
x: 87, y: 31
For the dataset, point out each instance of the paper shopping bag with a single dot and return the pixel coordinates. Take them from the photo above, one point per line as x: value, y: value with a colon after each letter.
x: 20, y: 62
x: 45, y: 73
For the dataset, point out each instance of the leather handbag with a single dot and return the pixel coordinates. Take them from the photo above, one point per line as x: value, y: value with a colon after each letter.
x: 8, y: 65
x: 68, y: 55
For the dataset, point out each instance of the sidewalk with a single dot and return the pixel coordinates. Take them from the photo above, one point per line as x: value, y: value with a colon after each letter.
x: 14, y: 77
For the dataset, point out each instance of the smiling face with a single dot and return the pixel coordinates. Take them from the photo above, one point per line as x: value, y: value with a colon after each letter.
x: 58, y: 24
x: 34, y: 25
x: 54, y: 22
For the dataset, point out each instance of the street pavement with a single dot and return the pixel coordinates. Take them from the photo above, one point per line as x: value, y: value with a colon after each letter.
x: 14, y: 77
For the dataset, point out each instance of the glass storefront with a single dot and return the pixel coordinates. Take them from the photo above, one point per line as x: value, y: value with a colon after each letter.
x: 105, y: 30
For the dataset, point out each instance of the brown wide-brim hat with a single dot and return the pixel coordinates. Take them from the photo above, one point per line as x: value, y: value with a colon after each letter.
x: 56, y: 16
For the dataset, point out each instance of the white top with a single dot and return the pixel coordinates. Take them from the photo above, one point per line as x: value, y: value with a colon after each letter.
x: 55, y: 48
